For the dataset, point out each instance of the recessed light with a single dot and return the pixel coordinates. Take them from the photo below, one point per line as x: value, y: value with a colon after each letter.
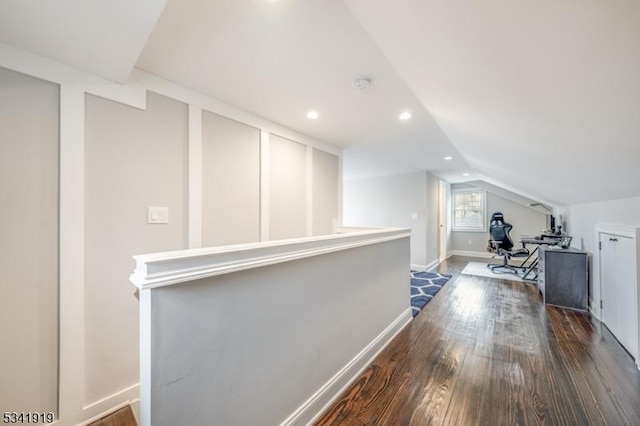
x: 312, y: 115
x: 405, y: 115
x: 465, y: 174
x: 448, y: 157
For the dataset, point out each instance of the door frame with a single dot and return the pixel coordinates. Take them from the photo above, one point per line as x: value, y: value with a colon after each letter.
x: 443, y: 220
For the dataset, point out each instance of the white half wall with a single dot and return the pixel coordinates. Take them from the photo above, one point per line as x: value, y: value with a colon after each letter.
x: 267, y: 333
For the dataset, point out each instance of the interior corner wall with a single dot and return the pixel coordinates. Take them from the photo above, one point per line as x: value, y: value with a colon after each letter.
x: 133, y: 159
x: 29, y: 150
x: 392, y: 201
x: 581, y: 220
x: 525, y: 221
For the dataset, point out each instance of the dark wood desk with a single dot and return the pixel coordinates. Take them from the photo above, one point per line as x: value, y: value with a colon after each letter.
x: 530, y: 270
x: 563, y: 277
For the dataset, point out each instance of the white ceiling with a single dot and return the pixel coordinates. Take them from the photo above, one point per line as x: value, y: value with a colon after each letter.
x: 538, y: 97
x: 280, y: 59
x: 543, y: 96
x: 102, y: 37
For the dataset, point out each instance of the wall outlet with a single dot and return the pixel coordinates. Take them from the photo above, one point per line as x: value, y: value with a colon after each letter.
x: 470, y: 242
x: 158, y: 215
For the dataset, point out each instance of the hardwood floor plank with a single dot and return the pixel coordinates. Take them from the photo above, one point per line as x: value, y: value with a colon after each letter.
x: 486, y: 351
x: 122, y: 417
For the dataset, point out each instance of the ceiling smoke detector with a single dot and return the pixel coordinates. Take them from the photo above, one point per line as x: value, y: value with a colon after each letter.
x: 362, y: 84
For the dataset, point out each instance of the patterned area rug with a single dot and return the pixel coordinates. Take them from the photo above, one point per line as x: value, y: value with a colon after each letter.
x: 425, y: 285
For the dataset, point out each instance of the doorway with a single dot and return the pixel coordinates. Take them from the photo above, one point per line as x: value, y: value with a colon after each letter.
x: 443, y: 222
x: 619, y: 308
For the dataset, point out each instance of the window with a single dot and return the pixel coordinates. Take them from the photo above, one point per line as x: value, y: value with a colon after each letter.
x: 469, y: 210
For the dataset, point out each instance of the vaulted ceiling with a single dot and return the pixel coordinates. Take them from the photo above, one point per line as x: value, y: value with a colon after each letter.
x: 542, y: 98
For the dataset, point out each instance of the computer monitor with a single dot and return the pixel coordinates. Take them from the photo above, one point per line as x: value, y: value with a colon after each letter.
x: 550, y: 223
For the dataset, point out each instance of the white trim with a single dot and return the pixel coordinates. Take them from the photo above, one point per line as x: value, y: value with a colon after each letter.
x: 175, y: 91
x: 432, y: 264
x: 145, y: 356
x: 311, y: 409
x: 309, y: 190
x: 195, y: 176
x: 71, y: 384
x: 483, y: 254
x: 45, y: 68
x: 340, y: 194
x: 163, y: 269
x: 416, y: 267
x: 455, y: 228
x: 427, y: 267
x: 106, y: 406
x: 132, y: 94
x: 443, y: 220
x: 264, y: 185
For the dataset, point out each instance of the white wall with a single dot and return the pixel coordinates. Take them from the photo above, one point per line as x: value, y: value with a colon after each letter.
x: 525, y: 221
x: 230, y: 181
x: 288, y: 188
x: 393, y: 201
x: 29, y: 149
x: 120, y: 136
x: 433, y: 219
x: 140, y: 162
x: 582, y: 219
x: 326, y: 183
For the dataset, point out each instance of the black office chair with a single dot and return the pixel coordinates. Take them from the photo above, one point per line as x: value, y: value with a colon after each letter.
x: 500, y: 243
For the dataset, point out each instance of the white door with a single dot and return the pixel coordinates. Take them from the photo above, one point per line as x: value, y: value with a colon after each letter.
x: 619, y: 311
x: 442, y: 222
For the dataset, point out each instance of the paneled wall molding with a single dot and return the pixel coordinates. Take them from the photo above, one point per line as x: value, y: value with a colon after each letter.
x: 44, y: 68
x: 75, y: 84
x: 72, y: 265
x: 172, y: 90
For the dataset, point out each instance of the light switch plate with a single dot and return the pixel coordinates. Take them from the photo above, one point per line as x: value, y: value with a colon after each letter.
x: 158, y: 215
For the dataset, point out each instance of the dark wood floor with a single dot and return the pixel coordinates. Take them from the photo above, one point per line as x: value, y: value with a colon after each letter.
x: 487, y: 352
x: 122, y: 417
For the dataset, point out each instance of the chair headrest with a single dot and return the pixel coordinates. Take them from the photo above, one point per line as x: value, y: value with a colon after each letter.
x: 497, y: 217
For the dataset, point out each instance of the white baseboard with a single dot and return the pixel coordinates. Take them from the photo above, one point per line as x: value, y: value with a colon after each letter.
x: 324, y: 397
x: 112, y: 403
x: 432, y: 265
x: 416, y: 267
x: 594, y: 309
x: 428, y: 267
x: 484, y: 254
